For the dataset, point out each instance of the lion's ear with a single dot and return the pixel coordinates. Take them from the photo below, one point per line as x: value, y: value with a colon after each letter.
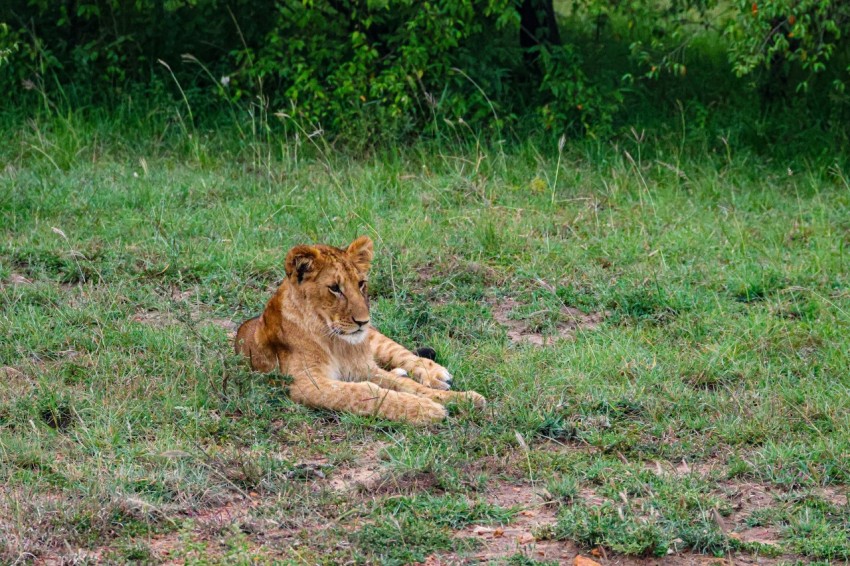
x: 300, y: 261
x: 361, y: 251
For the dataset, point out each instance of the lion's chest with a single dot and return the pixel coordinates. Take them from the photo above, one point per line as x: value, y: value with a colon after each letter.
x: 352, y: 365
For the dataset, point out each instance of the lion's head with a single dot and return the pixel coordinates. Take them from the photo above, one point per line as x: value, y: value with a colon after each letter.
x: 331, y: 285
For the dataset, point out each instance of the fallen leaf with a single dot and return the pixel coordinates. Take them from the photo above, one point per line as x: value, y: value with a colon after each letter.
x: 498, y: 533
x: 527, y: 513
x: 583, y: 561
x: 525, y: 538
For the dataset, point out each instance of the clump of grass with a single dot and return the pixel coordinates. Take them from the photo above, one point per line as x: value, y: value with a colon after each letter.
x: 645, y: 514
x: 557, y: 425
x: 562, y: 490
x: 755, y: 285
x: 621, y: 529
x: 647, y: 302
x: 607, y: 526
x: 447, y: 511
x: 408, y: 529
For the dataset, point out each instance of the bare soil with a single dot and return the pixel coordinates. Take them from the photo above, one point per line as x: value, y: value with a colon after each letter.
x: 572, y: 321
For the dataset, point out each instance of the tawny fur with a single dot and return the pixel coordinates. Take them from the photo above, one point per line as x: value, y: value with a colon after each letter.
x: 316, y: 329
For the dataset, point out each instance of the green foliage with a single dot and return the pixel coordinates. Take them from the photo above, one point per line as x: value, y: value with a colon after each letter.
x: 383, y: 69
x: 8, y: 43
x: 100, y: 52
x: 570, y: 99
x: 365, y: 69
x: 785, y: 45
x: 447, y: 511
x: 393, y: 64
x: 784, y: 35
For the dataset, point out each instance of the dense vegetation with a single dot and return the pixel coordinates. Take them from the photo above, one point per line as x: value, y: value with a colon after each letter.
x: 377, y: 69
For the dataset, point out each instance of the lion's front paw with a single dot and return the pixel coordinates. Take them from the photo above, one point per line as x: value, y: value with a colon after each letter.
x: 477, y: 399
x: 426, y: 412
x: 432, y: 375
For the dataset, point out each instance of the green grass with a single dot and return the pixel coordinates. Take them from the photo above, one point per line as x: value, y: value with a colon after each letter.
x: 723, y: 283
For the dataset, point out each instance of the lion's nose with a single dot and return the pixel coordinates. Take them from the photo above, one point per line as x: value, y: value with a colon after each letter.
x: 360, y: 323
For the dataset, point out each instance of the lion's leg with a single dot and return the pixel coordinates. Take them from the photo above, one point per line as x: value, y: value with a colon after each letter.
x: 394, y: 382
x: 261, y: 358
x: 390, y: 354
x: 315, y: 389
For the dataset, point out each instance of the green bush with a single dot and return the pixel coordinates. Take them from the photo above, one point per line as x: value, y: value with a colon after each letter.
x: 793, y: 41
x: 368, y: 69
x: 392, y: 64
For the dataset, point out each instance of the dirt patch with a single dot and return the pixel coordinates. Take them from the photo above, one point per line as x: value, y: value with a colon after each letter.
x: 496, y: 543
x: 457, y: 266
x: 157, y: 319
x: 11, y: 375
x: 406, y: 483
x: 162, y: 319
x: 835, y: 495
x: 228, y: 325
x: 747, y: 498
x: 364, y: 474
x: 684, y: 468
x: 520, y: 536
x: 760, y: 535
x: 183, y: 310
x: 18, y: 279
x: 520, y: 330
x: 208, y: 523
x: 438, y: 280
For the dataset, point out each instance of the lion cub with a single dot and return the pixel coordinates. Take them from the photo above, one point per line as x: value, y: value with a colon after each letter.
x: 316, y: 329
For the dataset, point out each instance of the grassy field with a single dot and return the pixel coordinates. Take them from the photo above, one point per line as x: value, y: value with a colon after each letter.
x: 660, y: 327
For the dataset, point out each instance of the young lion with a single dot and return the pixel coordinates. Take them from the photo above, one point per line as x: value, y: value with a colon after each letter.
x: 316, y: 329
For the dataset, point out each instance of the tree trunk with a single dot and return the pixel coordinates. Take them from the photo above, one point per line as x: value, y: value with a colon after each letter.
x: 537, y: 26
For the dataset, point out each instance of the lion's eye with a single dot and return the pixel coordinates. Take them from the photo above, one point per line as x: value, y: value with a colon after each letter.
x: 335, y: 289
